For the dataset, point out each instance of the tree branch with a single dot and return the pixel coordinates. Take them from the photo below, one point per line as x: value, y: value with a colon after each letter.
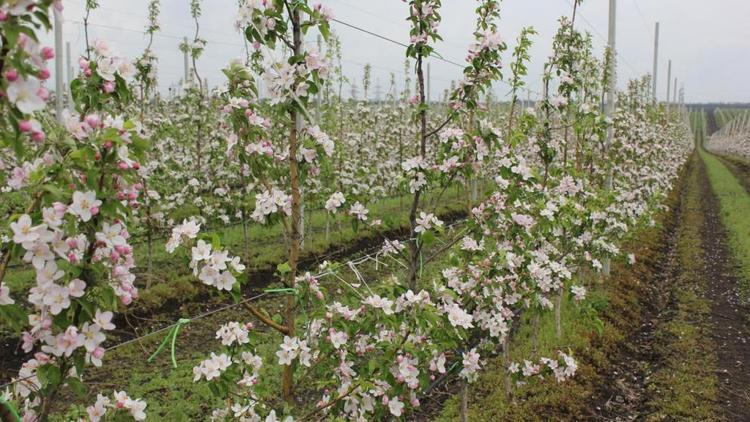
x: 265, y: 318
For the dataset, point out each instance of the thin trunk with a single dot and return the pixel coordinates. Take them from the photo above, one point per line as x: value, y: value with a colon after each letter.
x: 328, y: 226
x: 534, y: 334
x: 150, y: 241
x: 506, y: 365
x: 245, y: 237
x: 294, y: 244
x: 558, y: 312
x: 471, y: 189
x: 465, y: 402
x: 414, y: 247
x: 510, y: 116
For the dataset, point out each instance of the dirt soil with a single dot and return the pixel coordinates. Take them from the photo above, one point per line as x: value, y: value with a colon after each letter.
x: 621, y: 394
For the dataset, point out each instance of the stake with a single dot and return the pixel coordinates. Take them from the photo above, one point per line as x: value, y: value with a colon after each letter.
x: 69, y: 68
x: 656, y: 61
x: 58, y: 66
x: 610, y: 107
x: 669, y: 81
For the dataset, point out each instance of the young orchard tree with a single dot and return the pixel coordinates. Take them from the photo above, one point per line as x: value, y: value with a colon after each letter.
x: 82, y: 186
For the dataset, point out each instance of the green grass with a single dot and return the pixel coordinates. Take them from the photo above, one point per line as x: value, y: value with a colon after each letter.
x: 735, y: 214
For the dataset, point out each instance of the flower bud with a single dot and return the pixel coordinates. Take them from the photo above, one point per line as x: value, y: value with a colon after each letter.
x: 48, y: 53
x: 60, y: 208
x: 43, y: 93
x: 38, y: 136
x: 24, y: 126
x: 11, y: 75
x: 93, y: 120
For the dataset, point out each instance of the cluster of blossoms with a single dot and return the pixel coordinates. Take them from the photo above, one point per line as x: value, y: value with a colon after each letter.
x: 102, y: 79
x: 336, y: 200
x: 562, y: 368
x: 105, y: 407
x: 426, y: 222
x: 211, y: 264
x: 214, y: 268
x: 271, y: 202
x: 108, y: 65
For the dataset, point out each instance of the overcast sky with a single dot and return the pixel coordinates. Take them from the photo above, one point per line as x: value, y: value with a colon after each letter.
x: 708, y: 41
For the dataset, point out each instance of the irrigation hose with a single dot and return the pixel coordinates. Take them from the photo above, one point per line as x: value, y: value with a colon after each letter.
x: 173, y: 334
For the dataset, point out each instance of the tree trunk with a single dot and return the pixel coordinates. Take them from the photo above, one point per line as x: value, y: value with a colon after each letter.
x: 294, y: 241
x: 465, y: 402
x: 414, y: 247
x: 558, y: 312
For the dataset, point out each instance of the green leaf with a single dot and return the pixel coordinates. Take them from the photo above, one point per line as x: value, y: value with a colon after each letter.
x: 49, y: 375
x: 283, y: 268
x: 428, y: 238
x: 215, y: 241
x: 77, y: 386
x: 79, y: 360
x: 14, y: 315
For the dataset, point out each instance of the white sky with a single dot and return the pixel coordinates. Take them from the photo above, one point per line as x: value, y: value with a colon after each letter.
x: 708, y: 41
